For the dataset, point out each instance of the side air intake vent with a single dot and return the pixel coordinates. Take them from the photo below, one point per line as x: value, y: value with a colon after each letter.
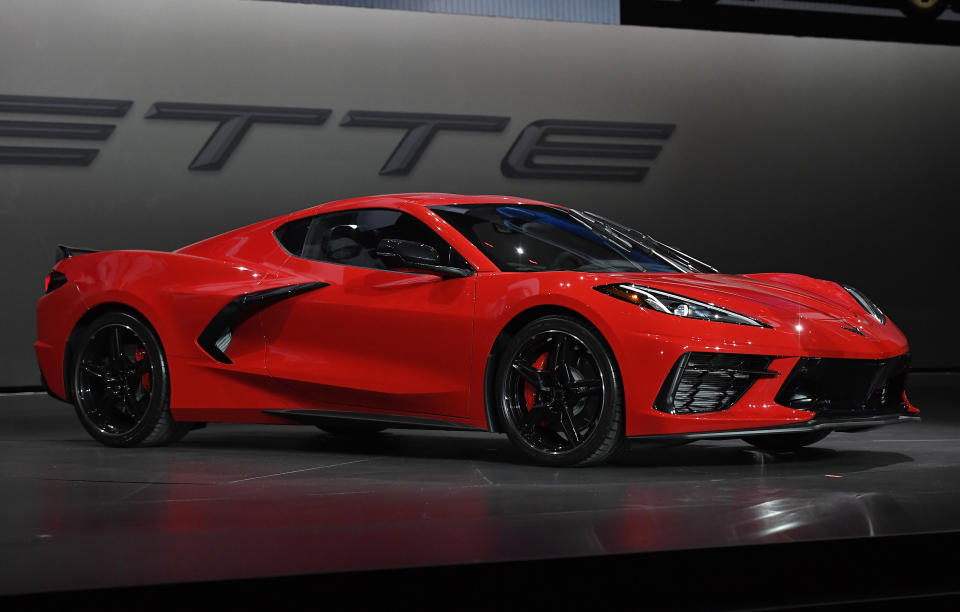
x: 216, y: 336
x: 710, y: 382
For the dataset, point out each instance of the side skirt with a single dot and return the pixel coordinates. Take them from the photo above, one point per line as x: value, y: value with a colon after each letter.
x: 392, y: 421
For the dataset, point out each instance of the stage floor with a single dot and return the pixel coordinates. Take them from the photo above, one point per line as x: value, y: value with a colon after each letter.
x: 234, y: 501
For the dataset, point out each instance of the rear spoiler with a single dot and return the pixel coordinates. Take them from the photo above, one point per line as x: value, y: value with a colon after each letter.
x: 63, y: 252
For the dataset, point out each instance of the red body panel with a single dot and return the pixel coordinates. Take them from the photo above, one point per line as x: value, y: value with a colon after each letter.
x: 414, y: 343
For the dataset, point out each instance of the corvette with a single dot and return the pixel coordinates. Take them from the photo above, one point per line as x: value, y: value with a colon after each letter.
x: 569, y: 332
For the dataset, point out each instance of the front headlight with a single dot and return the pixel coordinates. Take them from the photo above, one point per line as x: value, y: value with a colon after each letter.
x: 872, y: 309
x: 673, y: 304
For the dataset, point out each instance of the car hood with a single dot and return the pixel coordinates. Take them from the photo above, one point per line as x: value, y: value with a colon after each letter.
x: 775, y: 299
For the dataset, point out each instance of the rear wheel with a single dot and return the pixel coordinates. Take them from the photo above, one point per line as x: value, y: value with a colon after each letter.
x: 559, y: 393
x: 783, y: 443
x: 121, y: 384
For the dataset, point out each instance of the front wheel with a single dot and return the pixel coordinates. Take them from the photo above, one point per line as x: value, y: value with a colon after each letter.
x: 559, y: 394
x: 121, y: 384
x: 785, y: 442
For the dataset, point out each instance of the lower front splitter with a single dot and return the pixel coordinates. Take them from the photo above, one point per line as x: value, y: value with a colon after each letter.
x: 847, y: 424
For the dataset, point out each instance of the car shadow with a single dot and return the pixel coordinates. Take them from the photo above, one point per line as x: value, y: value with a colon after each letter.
x: 497, y: 449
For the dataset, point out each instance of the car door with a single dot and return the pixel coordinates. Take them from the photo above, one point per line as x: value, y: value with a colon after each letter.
x: 376, y: 338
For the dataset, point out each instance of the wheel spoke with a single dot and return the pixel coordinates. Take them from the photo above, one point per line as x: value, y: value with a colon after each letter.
x: 585, y: 387
x: 97, y: 371
x: 130, y: 400
x: 113, y: 408
x: 533, y: 418
x: 560, y: 356
x: 529, y: 374
x: 139, y: 368
x: 116, y: 351
x: 569, y: 428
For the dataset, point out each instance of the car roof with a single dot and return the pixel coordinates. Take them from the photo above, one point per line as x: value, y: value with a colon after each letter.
x: 393, y: 200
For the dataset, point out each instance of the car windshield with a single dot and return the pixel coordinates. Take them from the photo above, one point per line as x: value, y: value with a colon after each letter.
x: 537, y: 238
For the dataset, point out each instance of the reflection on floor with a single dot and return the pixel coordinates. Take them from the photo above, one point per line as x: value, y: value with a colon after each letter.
x: 236, y: 501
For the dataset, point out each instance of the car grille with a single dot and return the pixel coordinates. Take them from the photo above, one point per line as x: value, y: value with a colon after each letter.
x: 846, y: 387
x: 710, y: 382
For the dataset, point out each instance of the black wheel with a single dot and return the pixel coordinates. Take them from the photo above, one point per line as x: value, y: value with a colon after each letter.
x: 700, y: 3
x: 784, y: 443
x: 923, y: 9
x: 352, y: 430
x: 559, y: 394
x: 121, y: 385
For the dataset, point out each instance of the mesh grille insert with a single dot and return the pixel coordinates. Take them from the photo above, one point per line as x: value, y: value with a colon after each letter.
x: 710, y: 382
x: 846, y: 387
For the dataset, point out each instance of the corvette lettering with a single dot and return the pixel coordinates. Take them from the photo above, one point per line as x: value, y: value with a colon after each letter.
x: 233, y: 121
x: 535, y: 154
x: 56, y: 156
x: 535, y: 141
x: 420, y: 130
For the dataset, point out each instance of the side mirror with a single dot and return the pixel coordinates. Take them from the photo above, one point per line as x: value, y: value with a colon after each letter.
x: 409, y: 254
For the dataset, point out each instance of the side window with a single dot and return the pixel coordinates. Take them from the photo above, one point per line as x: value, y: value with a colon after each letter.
x: 351, y: 237
x: 292, y: 235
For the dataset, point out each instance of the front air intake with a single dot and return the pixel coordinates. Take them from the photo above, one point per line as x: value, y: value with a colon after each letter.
x: 846, y: 387
x: 710, y: 382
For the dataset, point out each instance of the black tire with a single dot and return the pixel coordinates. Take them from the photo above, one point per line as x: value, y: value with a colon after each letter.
x: 570, y: 412
x: 787, y: 442
x: 700, y: 3
x: 923, y: 9
x: 121, y: 384
x: 357, y: 430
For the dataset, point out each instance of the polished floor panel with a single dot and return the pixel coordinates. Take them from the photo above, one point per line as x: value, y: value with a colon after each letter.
x: 234, y: 501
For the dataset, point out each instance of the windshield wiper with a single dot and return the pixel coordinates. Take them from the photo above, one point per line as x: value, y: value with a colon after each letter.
x: 615, y: 239
x: 632, y: 238
x: 652, y: 247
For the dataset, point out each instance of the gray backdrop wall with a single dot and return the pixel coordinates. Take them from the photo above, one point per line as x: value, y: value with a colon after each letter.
x: 830, y: 158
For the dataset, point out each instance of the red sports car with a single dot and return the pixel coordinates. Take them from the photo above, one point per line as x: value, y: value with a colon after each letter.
x: 567, y: 331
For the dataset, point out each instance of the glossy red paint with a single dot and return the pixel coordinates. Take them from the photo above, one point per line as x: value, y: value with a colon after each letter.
x: 395, y: 342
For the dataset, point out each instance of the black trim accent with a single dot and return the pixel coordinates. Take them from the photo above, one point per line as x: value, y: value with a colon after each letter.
x: 812, y: 425
x: 57, y: 280
x: 63, y: 252
x: 242, y: 307
x: 392, y: 421
x: 22, y: 389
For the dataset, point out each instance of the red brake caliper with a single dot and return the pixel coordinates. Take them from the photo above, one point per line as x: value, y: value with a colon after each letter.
x: 140, y: 355
x: 529, y: 392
